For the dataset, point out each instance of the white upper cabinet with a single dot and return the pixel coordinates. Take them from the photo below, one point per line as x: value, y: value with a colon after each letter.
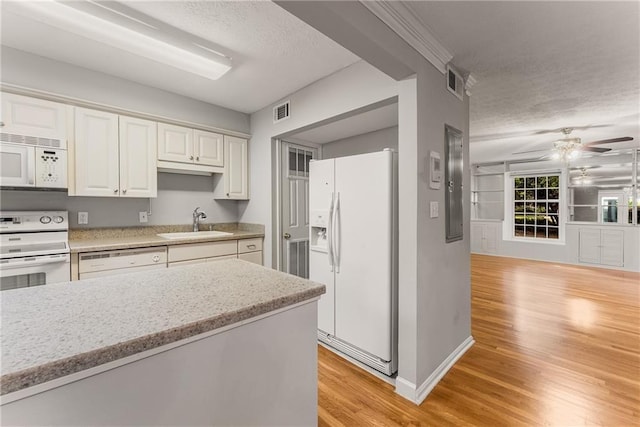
x: 113, y: 156
x: 96, y: 154
x: 236, y: 168
x: 138, y: 152
x: 175, y: 143
x: 27, y: 116
x: 208, y: 148
x: 189, y: 149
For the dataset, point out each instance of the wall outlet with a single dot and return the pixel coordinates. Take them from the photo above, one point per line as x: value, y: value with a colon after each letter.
x: 83, y: 218
x: 433, y: 209
x: 143, y: 216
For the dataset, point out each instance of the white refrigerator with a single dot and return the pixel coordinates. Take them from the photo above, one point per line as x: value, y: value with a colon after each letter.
x: 353, y: 251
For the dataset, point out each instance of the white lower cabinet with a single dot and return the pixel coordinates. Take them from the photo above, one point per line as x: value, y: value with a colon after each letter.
x: 194, y: 251
x: 601, y: 246
x: 250, y: 250
x: 200, y: 260
x: 484, y: 238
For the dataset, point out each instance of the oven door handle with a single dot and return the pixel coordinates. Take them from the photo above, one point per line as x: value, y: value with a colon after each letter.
x: 32, y: 261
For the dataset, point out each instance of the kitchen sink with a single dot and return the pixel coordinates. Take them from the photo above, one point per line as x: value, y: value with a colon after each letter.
x: 194, y: 234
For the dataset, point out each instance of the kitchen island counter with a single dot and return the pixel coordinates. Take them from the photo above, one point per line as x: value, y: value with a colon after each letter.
x: 52, y: 331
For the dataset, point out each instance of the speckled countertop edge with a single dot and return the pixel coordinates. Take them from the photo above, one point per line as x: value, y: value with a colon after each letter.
x: 32, y: 376
x: 101, y: 239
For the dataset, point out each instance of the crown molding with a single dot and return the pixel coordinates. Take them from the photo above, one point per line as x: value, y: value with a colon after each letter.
x: 403, y: 21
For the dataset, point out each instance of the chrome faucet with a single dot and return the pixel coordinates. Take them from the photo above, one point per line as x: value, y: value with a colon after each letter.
x: 196, y: 218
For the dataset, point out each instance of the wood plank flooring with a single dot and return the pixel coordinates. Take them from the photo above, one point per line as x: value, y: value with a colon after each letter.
x: 556, y: 345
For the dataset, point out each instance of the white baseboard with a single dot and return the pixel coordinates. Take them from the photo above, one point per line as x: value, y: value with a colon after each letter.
x: 417, y: 395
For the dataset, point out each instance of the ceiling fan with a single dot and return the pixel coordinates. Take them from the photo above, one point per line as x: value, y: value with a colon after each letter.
x: 569, y: 147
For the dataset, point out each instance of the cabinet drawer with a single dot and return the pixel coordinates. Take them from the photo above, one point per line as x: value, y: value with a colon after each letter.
x: 254, y: 257
x: 249, y: 245
x: 201, y: 260
x: 202, y: 250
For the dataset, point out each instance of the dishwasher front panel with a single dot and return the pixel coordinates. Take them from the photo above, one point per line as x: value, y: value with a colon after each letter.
x: 92, y: 262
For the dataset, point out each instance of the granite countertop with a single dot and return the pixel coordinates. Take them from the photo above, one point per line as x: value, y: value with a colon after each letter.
x: 55, y: 330
x: 102, y: 239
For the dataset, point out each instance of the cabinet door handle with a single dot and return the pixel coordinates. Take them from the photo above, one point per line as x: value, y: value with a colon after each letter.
x: 190, y: 157
x: 197, y: 158
x: 251, y: 246
x: 227, y: 194
x: 1, y: 124
x: 124, y: 191
x: 115, y: 191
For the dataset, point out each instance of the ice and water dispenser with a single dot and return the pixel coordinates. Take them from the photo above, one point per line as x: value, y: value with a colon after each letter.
x: 319, y: 223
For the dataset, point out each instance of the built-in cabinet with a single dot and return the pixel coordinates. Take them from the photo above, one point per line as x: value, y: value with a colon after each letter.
x: 250, y: 250
x: 113, y: 156
x: 189, y: 149
x: 195, y: 253
x: 26, y: 116
x: 601, y: 246
x: 484, y: 237
x: 235, y: 178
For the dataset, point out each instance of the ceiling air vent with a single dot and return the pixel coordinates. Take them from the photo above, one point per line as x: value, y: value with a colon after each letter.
x: 281, y: 112
x: 455, y: 83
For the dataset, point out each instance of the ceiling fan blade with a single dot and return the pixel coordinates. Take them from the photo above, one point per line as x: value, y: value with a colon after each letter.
x: 608, y: 141
x: 596, y: 149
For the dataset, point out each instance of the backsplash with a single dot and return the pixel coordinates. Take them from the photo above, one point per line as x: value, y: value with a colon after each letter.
x: 178, y: 196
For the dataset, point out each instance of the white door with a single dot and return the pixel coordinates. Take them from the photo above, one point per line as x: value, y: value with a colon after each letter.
x: 589, y: 245
x: 23, y: 115
x: 96, y: 153
x: 363, y: 240
x: 138, y: 166
x: 295, y: 208
x: 208, y: 148
x: 612, y: 247
x: 236, y: 162
x: 175, y: 143
x: 321, y: 191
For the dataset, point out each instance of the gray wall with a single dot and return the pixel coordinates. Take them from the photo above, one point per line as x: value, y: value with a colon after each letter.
x: 361, y: 144
x: 444, y: 277
x: 178, y: 194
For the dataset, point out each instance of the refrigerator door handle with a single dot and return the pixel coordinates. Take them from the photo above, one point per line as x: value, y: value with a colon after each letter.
x: 330, y: 234
x: 335, y: 239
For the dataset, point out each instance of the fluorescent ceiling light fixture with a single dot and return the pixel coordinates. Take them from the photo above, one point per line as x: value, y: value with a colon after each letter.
x: 51, y: 12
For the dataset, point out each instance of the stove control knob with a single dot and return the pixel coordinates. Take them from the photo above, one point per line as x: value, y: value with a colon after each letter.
x: 58, y: 219
x: 45, y: 219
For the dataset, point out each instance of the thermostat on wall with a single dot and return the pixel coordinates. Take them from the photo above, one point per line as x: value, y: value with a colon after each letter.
x: 435, y: 170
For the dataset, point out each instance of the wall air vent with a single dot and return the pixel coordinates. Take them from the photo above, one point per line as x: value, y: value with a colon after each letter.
x: 455, y: 83
x: 281, y: 112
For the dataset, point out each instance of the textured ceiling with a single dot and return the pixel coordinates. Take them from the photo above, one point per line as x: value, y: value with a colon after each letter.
x: 541, y: 66
x: 274, y: 53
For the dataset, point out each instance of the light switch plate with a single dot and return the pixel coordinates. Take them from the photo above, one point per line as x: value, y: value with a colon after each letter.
x: 143, y: 216
x: 83, y: 218
x: 433, y: 209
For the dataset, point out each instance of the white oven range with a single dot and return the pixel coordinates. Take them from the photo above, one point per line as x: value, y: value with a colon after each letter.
x: 34, y: 248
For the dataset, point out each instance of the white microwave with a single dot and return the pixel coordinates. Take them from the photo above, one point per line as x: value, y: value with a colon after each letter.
x: 32, y: 163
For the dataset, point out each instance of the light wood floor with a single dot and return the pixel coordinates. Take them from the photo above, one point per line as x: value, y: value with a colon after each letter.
x: 556, y: 345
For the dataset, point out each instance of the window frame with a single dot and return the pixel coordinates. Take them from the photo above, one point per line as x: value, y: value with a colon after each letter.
x: 509, y: 232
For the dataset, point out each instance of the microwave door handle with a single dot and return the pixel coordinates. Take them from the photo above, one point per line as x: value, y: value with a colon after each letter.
x: 31, y: 166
